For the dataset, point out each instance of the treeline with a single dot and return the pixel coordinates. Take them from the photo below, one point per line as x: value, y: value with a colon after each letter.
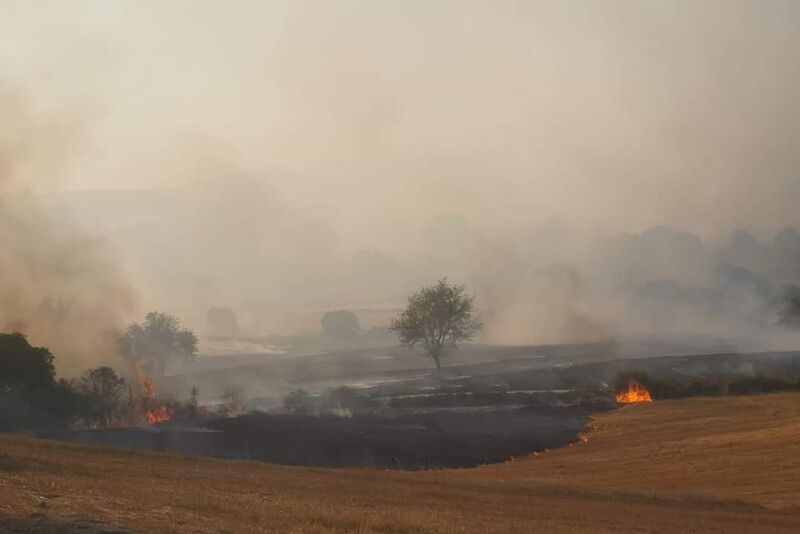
x: 32, y: 397
x: 708, y: 386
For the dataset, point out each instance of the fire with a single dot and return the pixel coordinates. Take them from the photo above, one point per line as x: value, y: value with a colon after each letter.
x: 144, y: 380
x: 635, y: 393
x: 159, y: 414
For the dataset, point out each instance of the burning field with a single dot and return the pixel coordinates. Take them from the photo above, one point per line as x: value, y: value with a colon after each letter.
x: 154, y: 412
x: 633, y: 394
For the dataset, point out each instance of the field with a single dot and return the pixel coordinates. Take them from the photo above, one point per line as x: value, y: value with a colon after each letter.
x: 696, y: 465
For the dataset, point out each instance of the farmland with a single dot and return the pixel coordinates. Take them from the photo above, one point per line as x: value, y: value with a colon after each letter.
x: 694, y: 465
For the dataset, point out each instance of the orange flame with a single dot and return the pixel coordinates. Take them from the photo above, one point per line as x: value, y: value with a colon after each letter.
x: 159, y: 414
x: 635, y: 393
x: 144, y: 380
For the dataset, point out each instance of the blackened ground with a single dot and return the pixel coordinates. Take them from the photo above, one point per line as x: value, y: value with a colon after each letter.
x: 439, y: 439
x: 411, y: 441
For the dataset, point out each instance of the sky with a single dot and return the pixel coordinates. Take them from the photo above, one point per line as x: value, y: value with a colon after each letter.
x: 300, y: 134
x: 625, y: 114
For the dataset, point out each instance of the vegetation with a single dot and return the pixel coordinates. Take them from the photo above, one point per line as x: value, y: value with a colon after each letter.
x: 340, y: 324
x: 222, y: 321
x: 437, y: 318
x: 709, y: 386
x: 103, y: 395
x: 23, y: 366
x: 29, y: 392
x: 694, y: 465
x: 233, y: 402
x: 32, y: 398
x: 299, y: 402
x: 789, y: 313
x: 158, y: 340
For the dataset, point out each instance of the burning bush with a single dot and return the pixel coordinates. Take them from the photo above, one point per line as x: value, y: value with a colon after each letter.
x: 702, y: 386
x: 633, y: 393
x: 632, y: 387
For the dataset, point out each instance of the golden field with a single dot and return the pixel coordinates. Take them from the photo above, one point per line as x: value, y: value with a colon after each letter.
x: 696, y: 465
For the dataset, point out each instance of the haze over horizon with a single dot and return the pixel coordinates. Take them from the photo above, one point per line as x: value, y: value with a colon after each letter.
x: 574, y: 164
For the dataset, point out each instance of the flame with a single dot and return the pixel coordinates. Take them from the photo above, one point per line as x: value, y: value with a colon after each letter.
x: 144, y: 380
x: 635, y: 393
x: 158, y: 414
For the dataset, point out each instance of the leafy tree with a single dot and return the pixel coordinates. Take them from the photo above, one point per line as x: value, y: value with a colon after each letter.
x: 340, y: 324
x: 24, y: 366
x: 159, y: 339
x: 30, y: 397
x: 437, y: 318
x: 103, y: 391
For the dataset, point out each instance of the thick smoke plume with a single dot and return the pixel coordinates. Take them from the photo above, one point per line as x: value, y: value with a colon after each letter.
x: 589, y: 169
x: 59, y: 286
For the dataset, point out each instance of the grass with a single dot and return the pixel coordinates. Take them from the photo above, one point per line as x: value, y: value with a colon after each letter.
x: 728, y: 464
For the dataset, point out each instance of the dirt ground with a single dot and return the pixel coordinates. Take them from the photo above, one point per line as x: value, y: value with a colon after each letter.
x: 697, y: 465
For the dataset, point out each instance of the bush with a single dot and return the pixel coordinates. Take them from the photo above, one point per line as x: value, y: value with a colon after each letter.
x: 23, y: 365
x: 710, y: 386
x: 298, y: 402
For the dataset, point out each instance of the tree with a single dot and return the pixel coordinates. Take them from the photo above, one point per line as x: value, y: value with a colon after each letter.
x: 159, y: 339
x: 24, y: 366
x: 789, y: 313
x: 30, y: 396
x: 340, y: 324
x: 437, y: 318
x: 103, y: 391
x: 222, y: 321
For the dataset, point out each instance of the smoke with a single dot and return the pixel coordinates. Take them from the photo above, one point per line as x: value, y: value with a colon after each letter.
x: 578, y: 165
x: 59, y: 286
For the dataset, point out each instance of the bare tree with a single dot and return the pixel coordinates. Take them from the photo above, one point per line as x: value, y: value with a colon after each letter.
x: 437, y: 318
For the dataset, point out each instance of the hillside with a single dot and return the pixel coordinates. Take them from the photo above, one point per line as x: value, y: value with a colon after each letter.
x: 698, y: 465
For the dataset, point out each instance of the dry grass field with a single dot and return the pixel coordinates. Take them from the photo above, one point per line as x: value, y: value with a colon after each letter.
x: 698, y: 465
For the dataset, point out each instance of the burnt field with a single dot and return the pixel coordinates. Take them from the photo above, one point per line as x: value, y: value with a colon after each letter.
x: 469, y: 415
x: 438, y: 439
x: 725, y: 465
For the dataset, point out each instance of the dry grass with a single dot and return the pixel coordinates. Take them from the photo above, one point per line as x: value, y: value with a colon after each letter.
x: 696, y: 465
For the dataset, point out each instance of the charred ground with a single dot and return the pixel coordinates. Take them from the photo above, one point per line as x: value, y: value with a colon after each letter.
x: 695, y: 465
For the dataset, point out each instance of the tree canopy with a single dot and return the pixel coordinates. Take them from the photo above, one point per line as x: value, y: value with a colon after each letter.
x: 437, y: 318
x: 159, y: 339
x: 23, y: 365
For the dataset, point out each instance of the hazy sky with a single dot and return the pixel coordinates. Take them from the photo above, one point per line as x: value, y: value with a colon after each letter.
x: 611, y: 113
x: 343, y: 152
